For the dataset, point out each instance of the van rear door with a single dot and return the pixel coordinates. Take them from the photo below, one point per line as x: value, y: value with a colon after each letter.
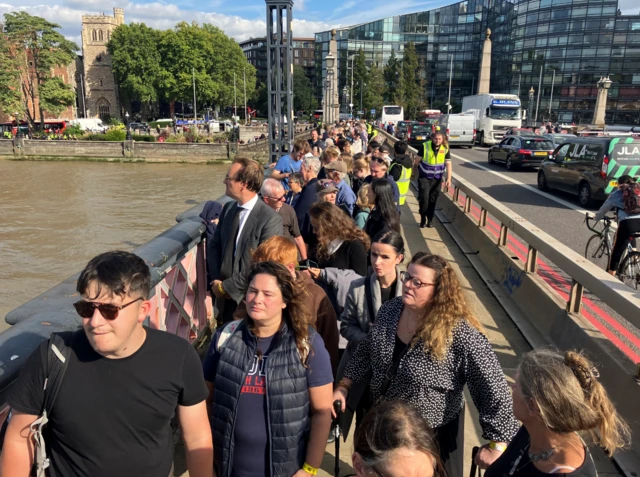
x: 623, y: 157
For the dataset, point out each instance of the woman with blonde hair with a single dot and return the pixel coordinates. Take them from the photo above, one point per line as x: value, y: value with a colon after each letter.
x: 256, y: 368
x: 360, y: 168
x: 422, y: 348
x: 556, y: 396
x: 363, y: 206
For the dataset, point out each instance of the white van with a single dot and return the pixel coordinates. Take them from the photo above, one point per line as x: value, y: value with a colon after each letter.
x: 90, y: 124
x: 460, y: 128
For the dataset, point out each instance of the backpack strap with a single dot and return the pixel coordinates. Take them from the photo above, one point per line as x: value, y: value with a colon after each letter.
x: 58, y: 357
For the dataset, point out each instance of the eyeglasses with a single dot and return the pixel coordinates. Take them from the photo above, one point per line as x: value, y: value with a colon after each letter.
x: 109, y: 312
x: 277, y: 199
x: 227, y: 178
x: 415, y: 282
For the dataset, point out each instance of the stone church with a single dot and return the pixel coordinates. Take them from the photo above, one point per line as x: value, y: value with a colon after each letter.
x: 96, y: 89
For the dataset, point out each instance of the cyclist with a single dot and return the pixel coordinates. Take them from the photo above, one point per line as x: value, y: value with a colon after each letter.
x: 626, y: 200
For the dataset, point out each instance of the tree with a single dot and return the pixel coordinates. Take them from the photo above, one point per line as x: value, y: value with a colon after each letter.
x: 303, y: 97
x: 394, y: 80
x: 136, y: 64
x: 410, y: 76
x: 374, y: 92
x: 360, y: 80
x: 10, y: 97
x: 206, y: 52
x: 38, y: 48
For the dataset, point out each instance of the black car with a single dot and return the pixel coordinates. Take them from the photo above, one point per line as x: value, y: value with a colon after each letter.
x: 521, y: 151
x: 418, y: 133
x: 144, y: 127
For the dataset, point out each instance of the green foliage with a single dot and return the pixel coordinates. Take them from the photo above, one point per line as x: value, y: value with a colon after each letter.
x: 37, y: 42
x: 115, y: 122
x: 410, y: 77
x: 55, y: 95
x: 10, y: 97
x: 141, y: 138
x: 394, y: 80
x: 374, y: 93
x: 360, y: 80
x: 111, y: 135
x: 303, y: 95
x: 74, y: 130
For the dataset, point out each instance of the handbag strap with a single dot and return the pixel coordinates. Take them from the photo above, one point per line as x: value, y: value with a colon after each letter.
x: 368, y: 296
x: 393, y: 370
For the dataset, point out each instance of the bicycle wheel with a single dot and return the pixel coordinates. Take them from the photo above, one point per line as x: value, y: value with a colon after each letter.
x: 597, y: 251
x: 629, y: 270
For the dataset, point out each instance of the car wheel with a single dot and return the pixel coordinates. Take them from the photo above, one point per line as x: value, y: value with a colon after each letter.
x: 584, y: 195
x: 542, y: 181
x: 510, y: 164
x: 490, y: 158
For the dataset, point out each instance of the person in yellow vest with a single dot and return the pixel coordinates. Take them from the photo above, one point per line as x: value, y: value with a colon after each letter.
x: 434, y: 162
x: 401, y: 169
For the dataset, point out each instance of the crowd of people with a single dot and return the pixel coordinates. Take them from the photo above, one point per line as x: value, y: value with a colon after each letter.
x: 314, y: 306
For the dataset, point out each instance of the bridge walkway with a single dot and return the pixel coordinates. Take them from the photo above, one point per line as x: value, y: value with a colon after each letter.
x: 507, y: 341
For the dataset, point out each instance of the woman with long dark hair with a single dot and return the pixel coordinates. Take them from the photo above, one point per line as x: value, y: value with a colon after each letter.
x: 270, y: 381
x: 384, y: 215
x: 423, y: 348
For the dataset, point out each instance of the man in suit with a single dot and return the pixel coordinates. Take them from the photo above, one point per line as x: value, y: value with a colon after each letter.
x: 245, y: 223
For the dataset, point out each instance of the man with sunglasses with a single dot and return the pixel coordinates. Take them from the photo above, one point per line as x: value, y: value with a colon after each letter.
x: 379, y: 167
x: 274, y: 195
x: 123, y: 384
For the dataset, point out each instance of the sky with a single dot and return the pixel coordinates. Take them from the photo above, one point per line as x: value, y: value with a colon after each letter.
x: 240, y: 19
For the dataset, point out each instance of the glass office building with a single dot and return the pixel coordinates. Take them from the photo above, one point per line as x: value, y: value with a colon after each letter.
x: 565, y: 46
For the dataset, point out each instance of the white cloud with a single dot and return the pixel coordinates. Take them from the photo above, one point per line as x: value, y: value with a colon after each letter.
x: 162, y: 16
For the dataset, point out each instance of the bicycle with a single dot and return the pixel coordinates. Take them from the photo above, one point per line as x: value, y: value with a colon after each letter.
x: 600, y: 244
x: 598, y: 250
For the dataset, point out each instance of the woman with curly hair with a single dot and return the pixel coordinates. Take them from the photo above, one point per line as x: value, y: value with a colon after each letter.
x: 341, y: 244
x: 270, y: 382
x: 556, y: 396
x: 423, y: 348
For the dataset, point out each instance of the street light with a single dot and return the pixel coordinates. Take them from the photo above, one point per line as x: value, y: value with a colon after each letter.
x: 531, y: 94
x: 330, y: 62
x: 126, y: 120
x: 18, y: 132
x: 345, y: 92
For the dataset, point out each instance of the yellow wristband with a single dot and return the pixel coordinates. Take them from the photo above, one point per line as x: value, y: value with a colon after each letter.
x: 309, y: 470
x: 495, y: 446
x: 220, y: 289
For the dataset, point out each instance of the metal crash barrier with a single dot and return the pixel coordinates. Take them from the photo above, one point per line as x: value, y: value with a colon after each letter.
x: 180, y: 301
x: 544, y: 316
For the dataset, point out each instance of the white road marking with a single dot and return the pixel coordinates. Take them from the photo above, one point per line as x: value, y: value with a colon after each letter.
x: 526, y: 186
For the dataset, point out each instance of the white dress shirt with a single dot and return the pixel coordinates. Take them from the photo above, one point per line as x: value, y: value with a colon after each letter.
x: 246, y: 209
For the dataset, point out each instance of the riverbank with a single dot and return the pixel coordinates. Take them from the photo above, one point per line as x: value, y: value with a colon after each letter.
x: 124, y: 160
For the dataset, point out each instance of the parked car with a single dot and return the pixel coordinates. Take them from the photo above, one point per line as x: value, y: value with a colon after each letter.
x: 144, y: 127
x: 525, y: 151
x: 417, y: 133
x: 520, y: 132
x: 459, y: 128
x: 557, y: 138
x: 589, y: 167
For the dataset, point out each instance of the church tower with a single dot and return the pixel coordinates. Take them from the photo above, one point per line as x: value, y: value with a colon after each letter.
x: 100, y: 89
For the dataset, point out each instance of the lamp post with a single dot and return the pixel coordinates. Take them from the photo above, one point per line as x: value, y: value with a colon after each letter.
x: 601, y: 102
x: 126, y: 120
x: 18, y: 131
x: 345, y: 93
x: 530, y: 113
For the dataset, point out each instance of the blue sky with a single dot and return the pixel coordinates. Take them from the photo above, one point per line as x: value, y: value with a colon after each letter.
x: 240, y: 19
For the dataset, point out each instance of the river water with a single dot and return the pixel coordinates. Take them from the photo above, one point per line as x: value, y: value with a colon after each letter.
x: 55, y: 216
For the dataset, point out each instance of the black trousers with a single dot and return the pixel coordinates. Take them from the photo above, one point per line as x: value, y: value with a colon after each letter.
x: 626, y: 228
x: 450, y: 438
x: 428, y: 192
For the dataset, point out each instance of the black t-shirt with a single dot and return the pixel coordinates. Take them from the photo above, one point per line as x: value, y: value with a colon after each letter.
x: 112, y: 416
x: 351, y: 255
x: 525, y: 468
x: 387, y: 293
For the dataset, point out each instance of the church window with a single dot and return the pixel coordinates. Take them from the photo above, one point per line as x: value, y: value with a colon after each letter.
x: 94, y: 35
x: 103, y: 109
x: 100, y: 35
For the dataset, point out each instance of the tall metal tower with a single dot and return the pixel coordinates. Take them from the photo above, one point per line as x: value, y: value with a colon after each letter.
x: 280, y: 77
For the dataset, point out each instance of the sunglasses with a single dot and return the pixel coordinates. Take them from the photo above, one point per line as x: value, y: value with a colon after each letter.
x: 379, y: 161
x: 109, y: 312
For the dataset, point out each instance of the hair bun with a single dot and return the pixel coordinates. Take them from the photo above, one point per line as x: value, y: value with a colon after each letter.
x: 582, y: 369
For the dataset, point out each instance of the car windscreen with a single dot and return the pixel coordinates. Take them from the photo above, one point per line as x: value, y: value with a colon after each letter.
x: 537, y: 145
x: 625, y: 151
x: 402, y: 124
x: 421, y: 130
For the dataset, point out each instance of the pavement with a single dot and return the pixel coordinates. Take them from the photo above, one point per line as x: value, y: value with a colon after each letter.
x: 506, y: 340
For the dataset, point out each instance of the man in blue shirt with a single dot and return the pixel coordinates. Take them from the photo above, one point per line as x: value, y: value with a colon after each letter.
x: 337, y: 171
x: 290, y: 163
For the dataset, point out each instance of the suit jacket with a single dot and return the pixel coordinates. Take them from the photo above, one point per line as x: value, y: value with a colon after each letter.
x: 263, y: 222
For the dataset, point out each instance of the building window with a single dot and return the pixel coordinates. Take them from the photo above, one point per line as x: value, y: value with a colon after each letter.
x: 296, y: 53
x: 103, y: 109
x: 94, y: 35
x: 100, y: 35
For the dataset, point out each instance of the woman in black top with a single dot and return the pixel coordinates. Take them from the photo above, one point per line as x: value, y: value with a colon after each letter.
x: 384, y: 215
x: 340, y: 243
x: 556, y: 396
x: 423, y: 348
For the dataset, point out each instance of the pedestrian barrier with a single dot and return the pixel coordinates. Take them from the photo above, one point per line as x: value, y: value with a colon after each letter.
x: 544, y: 316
